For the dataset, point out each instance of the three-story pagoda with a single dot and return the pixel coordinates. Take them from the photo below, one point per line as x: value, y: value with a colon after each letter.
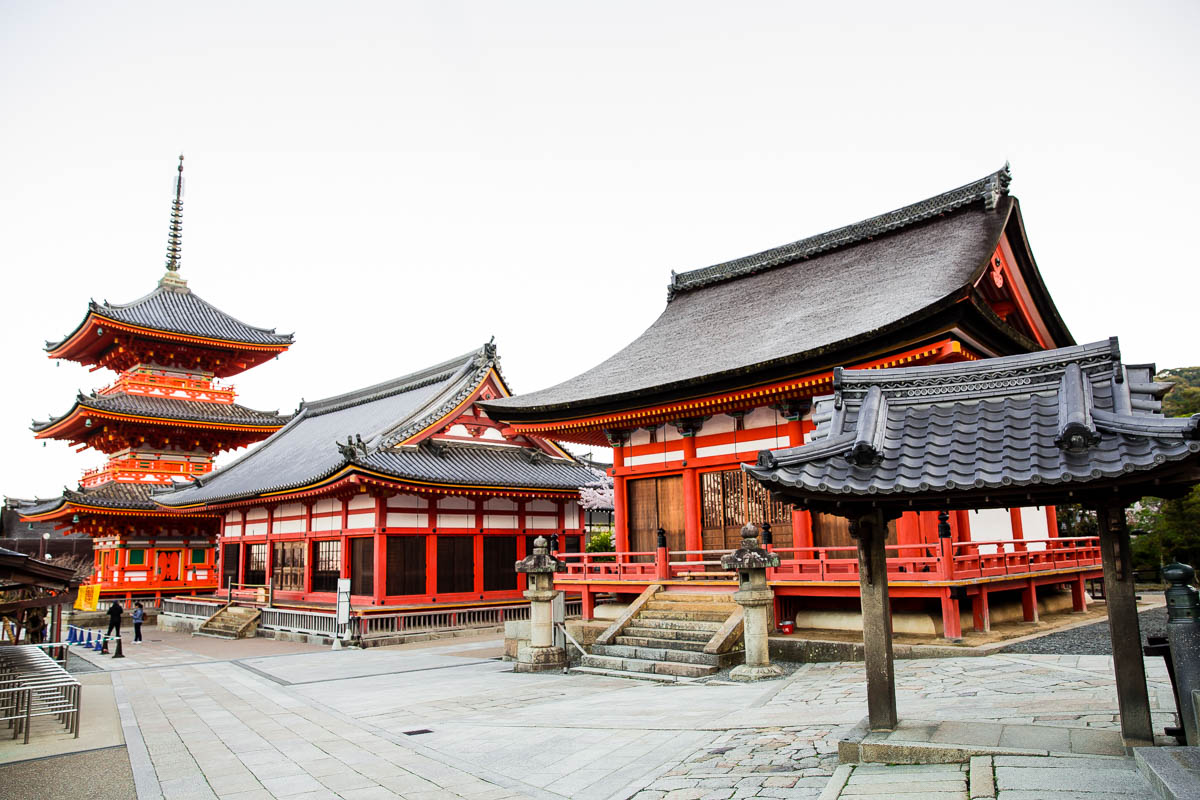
x: 163, y: 420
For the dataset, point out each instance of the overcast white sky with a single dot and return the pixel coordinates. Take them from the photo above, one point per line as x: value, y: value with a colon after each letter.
x: 397, y: 182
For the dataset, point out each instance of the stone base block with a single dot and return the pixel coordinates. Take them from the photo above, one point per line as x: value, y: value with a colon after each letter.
x: 763, y: 672
x: 540, y: 659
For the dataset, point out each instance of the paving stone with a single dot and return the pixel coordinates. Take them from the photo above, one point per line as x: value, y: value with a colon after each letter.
x: 892, y: 789
x: 1069, y: 779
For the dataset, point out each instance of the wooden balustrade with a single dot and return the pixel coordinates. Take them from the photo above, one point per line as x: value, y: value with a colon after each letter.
x: 926, y: 561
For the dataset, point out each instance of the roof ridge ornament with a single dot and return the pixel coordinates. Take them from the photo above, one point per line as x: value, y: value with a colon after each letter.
x: 175, y: 238
x: 1076, y: 428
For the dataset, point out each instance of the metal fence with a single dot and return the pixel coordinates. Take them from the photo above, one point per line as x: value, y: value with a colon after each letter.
x: 385, y: 624
x: 193, y: 609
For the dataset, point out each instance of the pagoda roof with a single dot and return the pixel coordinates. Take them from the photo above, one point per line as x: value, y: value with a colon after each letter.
x: 158, y: 410
x: 174, y: 309
x: 897, y: 279
x: 114, y: 495
x: 1026, y: 429
x: 377, y: 430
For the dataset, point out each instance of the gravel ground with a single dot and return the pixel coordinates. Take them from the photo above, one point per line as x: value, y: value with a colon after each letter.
x: 1090, y: 640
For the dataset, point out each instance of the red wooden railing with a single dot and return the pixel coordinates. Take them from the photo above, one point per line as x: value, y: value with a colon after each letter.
x: 938, y: 561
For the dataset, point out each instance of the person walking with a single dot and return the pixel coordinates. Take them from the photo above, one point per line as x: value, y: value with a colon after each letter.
x: 139, y: 616
x: 114, y: 618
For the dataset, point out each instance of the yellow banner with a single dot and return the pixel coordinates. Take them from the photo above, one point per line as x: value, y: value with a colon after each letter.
x: 88, y: 598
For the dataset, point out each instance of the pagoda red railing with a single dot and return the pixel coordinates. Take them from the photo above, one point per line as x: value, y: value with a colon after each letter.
x: 938, y: 561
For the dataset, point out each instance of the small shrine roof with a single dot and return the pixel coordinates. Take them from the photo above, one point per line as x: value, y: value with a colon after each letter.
x: 808, y: 305
x: 369, y: 429
x: 167, y: 408
x: 115, y: 495
x: 177, y: 309
x: 1069, y: 422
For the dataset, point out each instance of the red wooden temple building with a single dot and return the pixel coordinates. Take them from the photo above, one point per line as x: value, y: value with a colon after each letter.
x: 162, y: 420
x: 407, y: 488
x: 730, y: 368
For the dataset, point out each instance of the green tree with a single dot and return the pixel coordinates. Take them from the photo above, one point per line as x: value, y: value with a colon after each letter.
x: 1171, y: 526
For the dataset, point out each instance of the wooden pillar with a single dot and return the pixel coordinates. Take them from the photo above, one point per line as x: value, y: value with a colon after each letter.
x: 980, y: 610
x: 1132, y: 695
x: 802, y: 532
x: 477, y: 557
x: 589, y: 603
x: 270, y: 565
x: 309, y: 548
x: 380, y: 552
x: 692, y: 539
x: 1051, y: 522
x: 1078, y: 598
x: 1018, y: 529
x: 620, y: 514
x: 877, y: 621
x: 962, y: 519
x: 1029, y: 607
x: 951, y: 621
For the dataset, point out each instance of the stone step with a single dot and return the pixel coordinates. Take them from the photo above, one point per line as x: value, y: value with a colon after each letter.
x: 637, y: 676
x: 686, y: 605
x: 649, y: 666
x: 664, y: 654
x: 685, y: 625
x: 662, y: 644
x: 671, y: 634
x: 712, y: 615
x: 213, y: 635
x: 696, y: 597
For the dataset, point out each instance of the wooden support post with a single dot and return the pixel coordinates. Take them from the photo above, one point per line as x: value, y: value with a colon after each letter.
x: 980, y: 610
x: 802, y: 532
x: 1029, y: 607
x: 1051, y: 522
x: 620, y: 514
x: 1078, y: 598
x: 691, y: 508
x: 431, y: 587
x: 1018, y: 529
x: 1132, y: 695
x: 379, y: 578
x: 877, y: 622
x: 589, y: 604
x: 951, y: 621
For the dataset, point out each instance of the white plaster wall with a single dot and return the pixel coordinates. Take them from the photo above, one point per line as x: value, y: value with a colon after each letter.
x: 360, y: 520
x: 500, y: 504
x: 362, y: 501
x: 542, y: 523
x: 543, y: 506
x: 456, y: 520
x: 721, y: 423
x: 655, y: 458
x: 500, y: 520
x: 1033, y: 523
x: 289, y: 526
x: 332, y: 523
x: 256, y: 521
x: 572, y: 514
x: 407, y: 501
x: 456, y: 503
x: 290, y: 510
x: 401, y: 519
x: 991, y: 525
x: 325, y: 506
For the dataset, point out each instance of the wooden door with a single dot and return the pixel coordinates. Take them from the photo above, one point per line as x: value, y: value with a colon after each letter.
x: 168, y: 565
x: 655, y: 503
x: 405, y: 565
x: 830, y: 530
x: 499, y: 560
x: 362, y: 565
x: 455, y: 564
x: 230, y: 561
x: 728, y: 500
x: 287, y: 569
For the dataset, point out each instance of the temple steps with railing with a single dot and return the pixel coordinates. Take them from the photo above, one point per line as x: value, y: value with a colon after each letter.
x: 231, y: 622
x: 669, y: 636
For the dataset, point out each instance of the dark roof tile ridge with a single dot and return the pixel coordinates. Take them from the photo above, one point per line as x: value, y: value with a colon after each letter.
x: 404, y: 383
x: 458, y: 444
x: 473, y: 371
x: 988, y: 189
x: 100, y: 308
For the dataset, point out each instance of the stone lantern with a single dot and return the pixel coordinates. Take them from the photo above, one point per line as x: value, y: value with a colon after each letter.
x: 750, y: 561
x: 541, y: 654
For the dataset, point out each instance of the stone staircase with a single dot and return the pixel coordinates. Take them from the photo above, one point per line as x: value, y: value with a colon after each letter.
x: 231, y: 622
x: 668, y: 636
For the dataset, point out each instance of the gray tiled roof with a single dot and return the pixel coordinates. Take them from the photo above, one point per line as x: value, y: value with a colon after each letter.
x: 179, y: 310
x: 172, y: 408
x: 1011, y: 425
x: 778, y: 313
x: 989, y: 190
x: 480, y: 465
x: 365, y: 428
x: 108, y: 495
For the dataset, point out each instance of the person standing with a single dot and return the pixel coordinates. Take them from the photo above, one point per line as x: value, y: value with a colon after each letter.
x: 139, y: 616
x: 114, y: 618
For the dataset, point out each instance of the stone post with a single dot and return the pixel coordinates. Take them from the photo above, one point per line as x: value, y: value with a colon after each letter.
x: 541, y: 654
x: 756, y: 598
x: 1183, y: 633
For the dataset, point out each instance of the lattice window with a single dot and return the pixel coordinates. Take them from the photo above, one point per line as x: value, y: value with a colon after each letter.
x: 327, y: 565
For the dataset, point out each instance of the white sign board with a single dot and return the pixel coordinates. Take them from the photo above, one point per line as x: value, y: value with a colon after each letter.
x: 343, y: 601
x: 559, y: 609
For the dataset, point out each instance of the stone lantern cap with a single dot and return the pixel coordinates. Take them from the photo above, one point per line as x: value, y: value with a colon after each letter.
x: 540, y: 561
x: 750, y: 555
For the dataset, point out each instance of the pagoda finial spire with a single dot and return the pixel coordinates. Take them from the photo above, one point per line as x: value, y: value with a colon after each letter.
x: 175, y: 236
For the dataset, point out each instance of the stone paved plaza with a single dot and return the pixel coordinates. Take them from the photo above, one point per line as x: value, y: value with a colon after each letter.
x: 256, y: 719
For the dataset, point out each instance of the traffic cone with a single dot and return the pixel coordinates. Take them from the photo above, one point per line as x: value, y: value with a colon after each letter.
x: 117, y: 653
x: 88, y: 643
x: 70, y: 634
x: 99, y: 642
x: 104, y: 645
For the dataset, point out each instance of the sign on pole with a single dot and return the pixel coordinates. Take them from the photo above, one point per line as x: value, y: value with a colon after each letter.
x: 88, y: 597
x: 343, y: 601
